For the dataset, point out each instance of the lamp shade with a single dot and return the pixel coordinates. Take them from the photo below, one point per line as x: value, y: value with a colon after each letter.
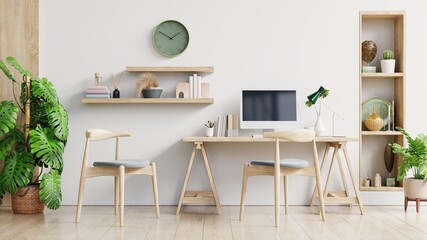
x: 315, y: 96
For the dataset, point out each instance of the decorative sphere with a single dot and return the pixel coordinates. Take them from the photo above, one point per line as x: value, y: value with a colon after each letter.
x: 369, y: 51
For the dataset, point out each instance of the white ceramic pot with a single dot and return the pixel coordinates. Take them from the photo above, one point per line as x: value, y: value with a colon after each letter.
x: 415, y: 188
x: 319, y: 127
x: 209, y: 132
x: 387, y: 65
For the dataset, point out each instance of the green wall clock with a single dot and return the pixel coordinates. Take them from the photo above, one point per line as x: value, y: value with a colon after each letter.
x: 170, y: 38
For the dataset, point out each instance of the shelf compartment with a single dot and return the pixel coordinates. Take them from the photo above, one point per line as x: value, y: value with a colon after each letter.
x: 171, y: 69
x: 381, y: 133
x: 382, y: 75
x: 382, y: 188
x: 147, y: 100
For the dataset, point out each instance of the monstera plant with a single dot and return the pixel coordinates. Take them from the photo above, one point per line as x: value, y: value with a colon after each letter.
x: 37, y: 144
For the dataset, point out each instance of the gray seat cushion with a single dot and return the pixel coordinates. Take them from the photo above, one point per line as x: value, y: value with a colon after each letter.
x: 285, y: 163
x: 128, y: 163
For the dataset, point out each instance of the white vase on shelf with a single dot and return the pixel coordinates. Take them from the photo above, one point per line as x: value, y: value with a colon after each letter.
x: 319, y: 127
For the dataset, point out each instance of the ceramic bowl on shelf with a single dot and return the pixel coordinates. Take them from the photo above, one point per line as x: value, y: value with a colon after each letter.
x: 152, y: 92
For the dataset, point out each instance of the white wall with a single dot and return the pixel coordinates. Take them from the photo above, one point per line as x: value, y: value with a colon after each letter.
x: 279, y: 44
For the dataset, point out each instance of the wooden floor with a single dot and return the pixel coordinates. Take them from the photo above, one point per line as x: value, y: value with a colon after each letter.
x: 200, y: 222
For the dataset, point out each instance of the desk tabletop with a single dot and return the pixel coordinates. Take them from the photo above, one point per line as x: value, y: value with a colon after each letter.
x: 258, y: 139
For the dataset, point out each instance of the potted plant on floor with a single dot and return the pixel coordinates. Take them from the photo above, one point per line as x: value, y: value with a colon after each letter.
x: 415, y: 160
x: 27, y: 150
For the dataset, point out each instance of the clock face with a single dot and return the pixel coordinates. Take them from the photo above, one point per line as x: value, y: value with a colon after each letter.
x: 170, y: 38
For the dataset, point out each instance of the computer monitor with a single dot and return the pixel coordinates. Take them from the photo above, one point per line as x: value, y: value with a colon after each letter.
x: 267, y: 108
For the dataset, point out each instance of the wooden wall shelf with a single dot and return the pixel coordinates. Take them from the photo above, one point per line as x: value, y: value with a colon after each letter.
x: 382, y: 188
x: 381, y: 133
x: 382, y: 75
x: 147, y: 100
x: 205, y: 69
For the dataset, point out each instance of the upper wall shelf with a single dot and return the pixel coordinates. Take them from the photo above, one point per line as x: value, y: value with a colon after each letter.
x: 205, y: 69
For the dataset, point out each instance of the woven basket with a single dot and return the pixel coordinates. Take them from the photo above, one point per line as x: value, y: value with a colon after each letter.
x: 27, y: 200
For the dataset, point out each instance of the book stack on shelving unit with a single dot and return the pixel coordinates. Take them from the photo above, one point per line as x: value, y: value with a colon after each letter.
x: 386, y: 29
x: 166, y: 69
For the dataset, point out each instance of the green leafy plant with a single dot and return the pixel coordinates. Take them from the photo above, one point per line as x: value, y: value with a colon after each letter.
x: 388, y: 54
x: 209, y: 124
x: 47, y: 133
x: 414, y: 156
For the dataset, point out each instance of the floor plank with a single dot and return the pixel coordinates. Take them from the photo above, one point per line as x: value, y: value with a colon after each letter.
x: 202, y: 222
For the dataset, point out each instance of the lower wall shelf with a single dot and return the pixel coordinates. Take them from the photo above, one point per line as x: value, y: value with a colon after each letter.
x: 383, y: 188
x: 148, y: 100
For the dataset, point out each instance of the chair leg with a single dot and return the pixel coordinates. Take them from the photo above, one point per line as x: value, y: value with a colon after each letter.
x: 122, y: 194
x: 244, y: 186
x: 285, y: 184
x: 155, y: 192
x: 80, y: 197
x: 116, y: 195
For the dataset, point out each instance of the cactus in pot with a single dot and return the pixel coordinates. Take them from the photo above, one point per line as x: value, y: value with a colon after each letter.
x: 388, y: 63
x: 388, y: 54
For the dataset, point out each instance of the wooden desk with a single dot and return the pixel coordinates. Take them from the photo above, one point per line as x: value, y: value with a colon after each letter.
x: 211, y: 197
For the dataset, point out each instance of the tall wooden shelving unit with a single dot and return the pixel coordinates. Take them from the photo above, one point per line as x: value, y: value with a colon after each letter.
x: 387, y: 30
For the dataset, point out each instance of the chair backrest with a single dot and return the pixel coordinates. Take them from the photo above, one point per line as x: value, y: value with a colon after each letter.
x: 102, y: 134
x: 301, y: 135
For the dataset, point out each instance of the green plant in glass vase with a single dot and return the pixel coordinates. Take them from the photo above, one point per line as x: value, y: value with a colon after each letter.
x: 39, y: 142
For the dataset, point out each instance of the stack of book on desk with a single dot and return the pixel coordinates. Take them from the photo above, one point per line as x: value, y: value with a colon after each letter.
x: 227, y: 126
x: 97, y: 92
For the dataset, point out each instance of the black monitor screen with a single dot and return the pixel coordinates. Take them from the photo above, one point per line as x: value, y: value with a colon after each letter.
x: 269, y: 105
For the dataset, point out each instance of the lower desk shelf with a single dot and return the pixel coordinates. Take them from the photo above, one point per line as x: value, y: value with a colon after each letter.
x: 147, y: 100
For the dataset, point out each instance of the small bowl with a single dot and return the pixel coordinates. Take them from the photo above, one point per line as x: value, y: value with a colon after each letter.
x: 152, y: 93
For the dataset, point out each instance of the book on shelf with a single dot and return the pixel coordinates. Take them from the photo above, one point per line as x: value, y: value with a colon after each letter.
x: 97, y: 92
x: 227, y: 126
x: 195, y: 85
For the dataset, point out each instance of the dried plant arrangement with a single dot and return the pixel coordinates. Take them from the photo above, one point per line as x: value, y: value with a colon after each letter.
x: 146, y: 81
x: 115, y: 81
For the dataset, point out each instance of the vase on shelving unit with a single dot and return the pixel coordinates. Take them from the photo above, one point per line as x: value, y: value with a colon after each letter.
x: 319, y: 127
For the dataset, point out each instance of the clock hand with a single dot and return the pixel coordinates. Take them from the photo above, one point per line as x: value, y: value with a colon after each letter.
x: 175, y: 35
x: 165, y: 35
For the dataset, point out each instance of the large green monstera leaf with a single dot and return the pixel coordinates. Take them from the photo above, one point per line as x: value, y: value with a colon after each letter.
x: 58, y: 120
x: 43, y: 88
x: 46, y: 147
x: 8, y: 115
x: 12, y: 61
x: 17, y: 172
x: 50, y: 189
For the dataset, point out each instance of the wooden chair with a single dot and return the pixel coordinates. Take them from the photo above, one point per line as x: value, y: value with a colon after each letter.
x: 284, y: 167
x: 117, y: 168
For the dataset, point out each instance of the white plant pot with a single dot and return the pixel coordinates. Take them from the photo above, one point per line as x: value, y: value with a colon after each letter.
x: 209, y: 132
x: 387, y: 66
x: 415, y: 188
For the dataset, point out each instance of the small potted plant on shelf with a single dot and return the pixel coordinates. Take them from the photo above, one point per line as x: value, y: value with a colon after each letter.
x: 415, y: 160
x: 147, y: 86
x: 388, y: 63
x: 209, y: 131
x: 30, y: 148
